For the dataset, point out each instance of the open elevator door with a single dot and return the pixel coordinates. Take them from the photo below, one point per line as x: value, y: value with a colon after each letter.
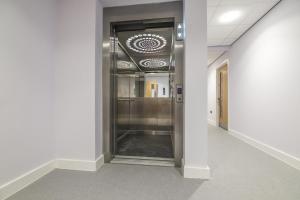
x: 143, y: 89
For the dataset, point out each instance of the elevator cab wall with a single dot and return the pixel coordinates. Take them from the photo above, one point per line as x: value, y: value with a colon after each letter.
x: 134, y: 13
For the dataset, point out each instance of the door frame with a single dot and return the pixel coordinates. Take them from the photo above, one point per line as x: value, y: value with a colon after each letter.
x: 224, y: 63
x: 111, y: 15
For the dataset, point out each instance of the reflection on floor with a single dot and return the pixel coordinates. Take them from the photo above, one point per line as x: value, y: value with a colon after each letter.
x: 145, y: 144
x: 239, y: 172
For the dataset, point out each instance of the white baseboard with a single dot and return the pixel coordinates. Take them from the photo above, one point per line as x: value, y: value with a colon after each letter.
x: 26, y: 179
x: 80, y: 165
x: 276, y: 153
x: 99, y: 162
x: 212, y: 122
x: 196, y: 172
x: 193, y: 172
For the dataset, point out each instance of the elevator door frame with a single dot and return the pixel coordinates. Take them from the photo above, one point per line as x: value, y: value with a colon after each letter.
x: 134, y: 26
x: 135, y: 13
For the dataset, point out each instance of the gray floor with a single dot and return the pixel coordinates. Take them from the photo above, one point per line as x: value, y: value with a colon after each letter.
x: 239, y: 172
x: 145, y: 145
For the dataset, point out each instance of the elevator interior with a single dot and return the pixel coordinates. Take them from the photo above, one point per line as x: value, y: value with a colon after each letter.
x: 143, y: 89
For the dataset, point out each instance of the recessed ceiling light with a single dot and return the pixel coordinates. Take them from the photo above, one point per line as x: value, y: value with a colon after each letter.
x: 146, y: 43
x: 230, y: 16
x: 153, y: 63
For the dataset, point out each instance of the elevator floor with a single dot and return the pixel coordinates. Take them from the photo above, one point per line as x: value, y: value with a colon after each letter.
x: 145, y: 144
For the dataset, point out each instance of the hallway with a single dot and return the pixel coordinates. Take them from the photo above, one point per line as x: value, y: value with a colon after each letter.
x: 239, y: 172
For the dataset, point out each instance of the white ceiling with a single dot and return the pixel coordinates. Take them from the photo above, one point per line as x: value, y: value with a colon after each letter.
x: 112, y: 3
x: 215, y: 52
x: 225, y: 34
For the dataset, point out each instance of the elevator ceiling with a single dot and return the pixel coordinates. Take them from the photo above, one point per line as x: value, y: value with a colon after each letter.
x: 146, y: 50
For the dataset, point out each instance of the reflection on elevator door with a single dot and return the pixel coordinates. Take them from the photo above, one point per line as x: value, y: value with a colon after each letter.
x: 144, y: 92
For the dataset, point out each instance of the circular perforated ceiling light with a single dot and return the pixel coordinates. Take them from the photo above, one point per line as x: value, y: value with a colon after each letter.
x: 153, y: 63
x: 125, y: 65
x: 146, y: 43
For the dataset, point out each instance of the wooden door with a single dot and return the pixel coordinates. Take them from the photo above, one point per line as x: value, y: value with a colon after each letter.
x: 223, y: 96
x: 151, y: 89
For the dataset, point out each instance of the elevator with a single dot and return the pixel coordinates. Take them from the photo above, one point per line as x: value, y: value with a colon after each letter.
x: 142, y: 82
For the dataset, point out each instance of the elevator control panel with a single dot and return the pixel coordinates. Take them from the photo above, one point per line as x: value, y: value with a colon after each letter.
x: 179, y: 93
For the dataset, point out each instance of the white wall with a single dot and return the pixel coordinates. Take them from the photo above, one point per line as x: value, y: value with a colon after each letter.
x: 75, y: 80
x: 50, y: 91
x: 26, y: 93
x: 195, y: 90
x: 264, y: 82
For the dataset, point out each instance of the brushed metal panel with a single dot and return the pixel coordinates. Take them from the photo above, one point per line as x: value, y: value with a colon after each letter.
x: 137, y: 113
x: 178, y: 111
x: 150, y: 113
x: 123, y: 114
x: 123, y: 87
x: 164, y: 114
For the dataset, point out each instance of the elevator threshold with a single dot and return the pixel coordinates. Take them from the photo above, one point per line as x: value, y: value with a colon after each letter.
x: 149, y: 161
